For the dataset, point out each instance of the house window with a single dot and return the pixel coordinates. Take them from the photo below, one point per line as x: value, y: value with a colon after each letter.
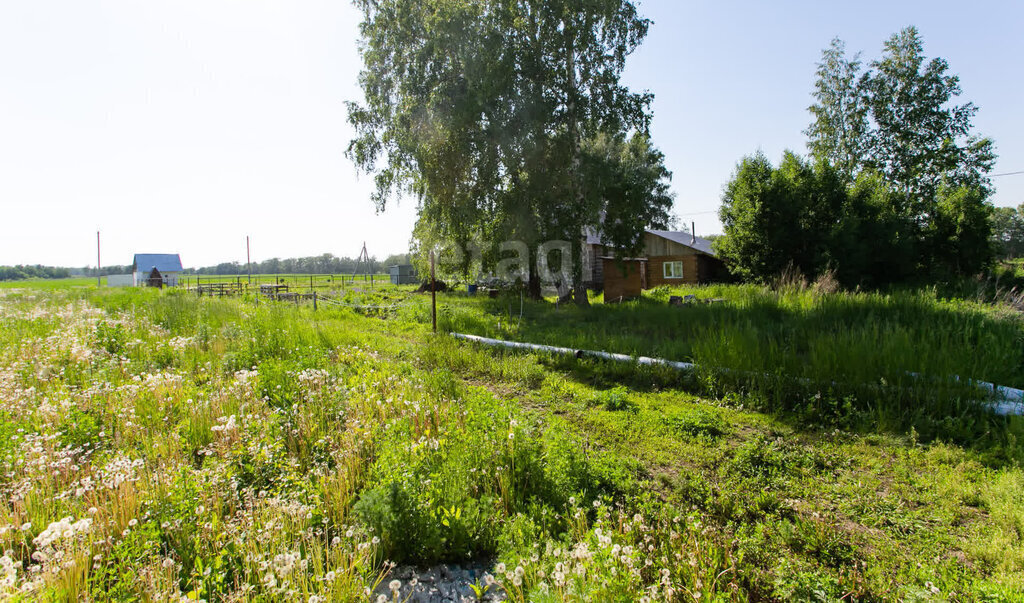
x: 673, y: 269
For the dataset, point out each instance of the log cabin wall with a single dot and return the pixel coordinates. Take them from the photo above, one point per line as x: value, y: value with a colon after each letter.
x: 656, y: 270
x: 622, y: 281
x: 698, y: 267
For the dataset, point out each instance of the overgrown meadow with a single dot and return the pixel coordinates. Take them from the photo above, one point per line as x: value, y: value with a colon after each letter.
x: 161, y: 446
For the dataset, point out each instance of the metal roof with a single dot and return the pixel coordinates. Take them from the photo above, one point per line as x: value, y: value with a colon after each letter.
x: 164, y: 262
x: 683, y: 238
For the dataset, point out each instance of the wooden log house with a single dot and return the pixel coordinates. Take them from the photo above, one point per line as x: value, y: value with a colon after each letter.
x: 670, y: 258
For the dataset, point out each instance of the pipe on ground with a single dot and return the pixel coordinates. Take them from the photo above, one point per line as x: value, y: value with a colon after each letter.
x: 535, y: 347
x: 1007, y: 400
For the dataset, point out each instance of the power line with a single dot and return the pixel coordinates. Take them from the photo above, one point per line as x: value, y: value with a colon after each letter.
x: 1006, y: 174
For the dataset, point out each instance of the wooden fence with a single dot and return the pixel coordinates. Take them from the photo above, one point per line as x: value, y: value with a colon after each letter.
x: 274, y: 284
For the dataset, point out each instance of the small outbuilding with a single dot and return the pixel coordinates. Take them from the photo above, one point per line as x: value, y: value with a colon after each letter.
x: 167, y: 265
x: 402, y: 274
x: 623, y: 279
x: 155, y: 279
x: 120, y: 280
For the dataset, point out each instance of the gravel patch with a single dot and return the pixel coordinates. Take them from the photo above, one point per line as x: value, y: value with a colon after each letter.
x: 439, y: 584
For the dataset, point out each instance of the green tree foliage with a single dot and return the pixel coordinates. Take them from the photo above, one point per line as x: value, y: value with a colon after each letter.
x: 326, y: 263
x: 22, y: 272
x: 840, y: 133
x: 480, y: 110
x: 753, y: 219
x: 961, y: 231
x: 872, y: 245
x: 897, y: 189
x: 630, y: 183
x: 920, y: 141
x: 1008, y: 231
x: 778, y: 217
x: 807, y: 217
x: 897, y: 118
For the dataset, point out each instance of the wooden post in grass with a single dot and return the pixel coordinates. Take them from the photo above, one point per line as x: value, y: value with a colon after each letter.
x: 433, y: 293
x: 314, y: 301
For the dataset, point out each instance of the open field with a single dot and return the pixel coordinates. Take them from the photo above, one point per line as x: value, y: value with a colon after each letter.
x: 53, y: 283
x: 159, y: 445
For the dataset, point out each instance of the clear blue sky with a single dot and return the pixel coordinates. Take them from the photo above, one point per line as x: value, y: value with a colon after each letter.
x: 184, y: 125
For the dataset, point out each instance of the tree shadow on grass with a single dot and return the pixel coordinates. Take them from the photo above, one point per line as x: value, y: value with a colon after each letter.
x: 816, y: 411
x: 864, y: 362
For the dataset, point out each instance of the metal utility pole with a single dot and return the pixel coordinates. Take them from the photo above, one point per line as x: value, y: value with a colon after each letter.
x: 248, y: 259
x: 99, y: 278
x: 433, y: 293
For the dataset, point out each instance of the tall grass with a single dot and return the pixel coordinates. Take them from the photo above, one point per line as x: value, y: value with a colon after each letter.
x: 222, y: 450
x: 880, y: 360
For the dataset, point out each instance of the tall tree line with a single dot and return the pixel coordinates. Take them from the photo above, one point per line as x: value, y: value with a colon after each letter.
x: 22, y: 272
x: 319, y: 264
x: 1008, y: 231
x: 895, y: 187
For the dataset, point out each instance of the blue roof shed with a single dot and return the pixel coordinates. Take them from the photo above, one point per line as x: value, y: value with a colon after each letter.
x: 164, y: 262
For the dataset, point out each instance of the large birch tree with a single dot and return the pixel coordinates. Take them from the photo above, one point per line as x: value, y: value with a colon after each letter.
x: 480, y: 111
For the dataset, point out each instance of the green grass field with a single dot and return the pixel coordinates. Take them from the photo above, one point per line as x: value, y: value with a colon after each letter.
x: 53, y: 283
x: 842, y: 358
x: 159, y: 445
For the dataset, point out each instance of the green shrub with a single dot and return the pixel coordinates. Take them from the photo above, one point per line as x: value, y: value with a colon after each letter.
x: 111, y: 337
x: 695, y: 422
x: 614, y: 399
x: 81, y: 428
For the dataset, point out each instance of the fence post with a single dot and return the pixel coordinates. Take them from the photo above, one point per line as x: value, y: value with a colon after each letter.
x: 433, y: 294
x: 314, y: 301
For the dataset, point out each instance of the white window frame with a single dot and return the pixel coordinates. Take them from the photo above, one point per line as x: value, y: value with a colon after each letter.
x: 669, y: 269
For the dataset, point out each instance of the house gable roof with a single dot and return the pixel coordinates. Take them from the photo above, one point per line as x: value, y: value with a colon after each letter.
x: 683, y: 238
x: 164, y: 262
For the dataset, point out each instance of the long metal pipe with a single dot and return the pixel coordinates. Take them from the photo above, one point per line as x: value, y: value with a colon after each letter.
x: 536, y: 347
x: 1007, y: 400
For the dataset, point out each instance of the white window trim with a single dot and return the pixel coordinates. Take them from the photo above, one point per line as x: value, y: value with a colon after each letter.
x: 668, y: 271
